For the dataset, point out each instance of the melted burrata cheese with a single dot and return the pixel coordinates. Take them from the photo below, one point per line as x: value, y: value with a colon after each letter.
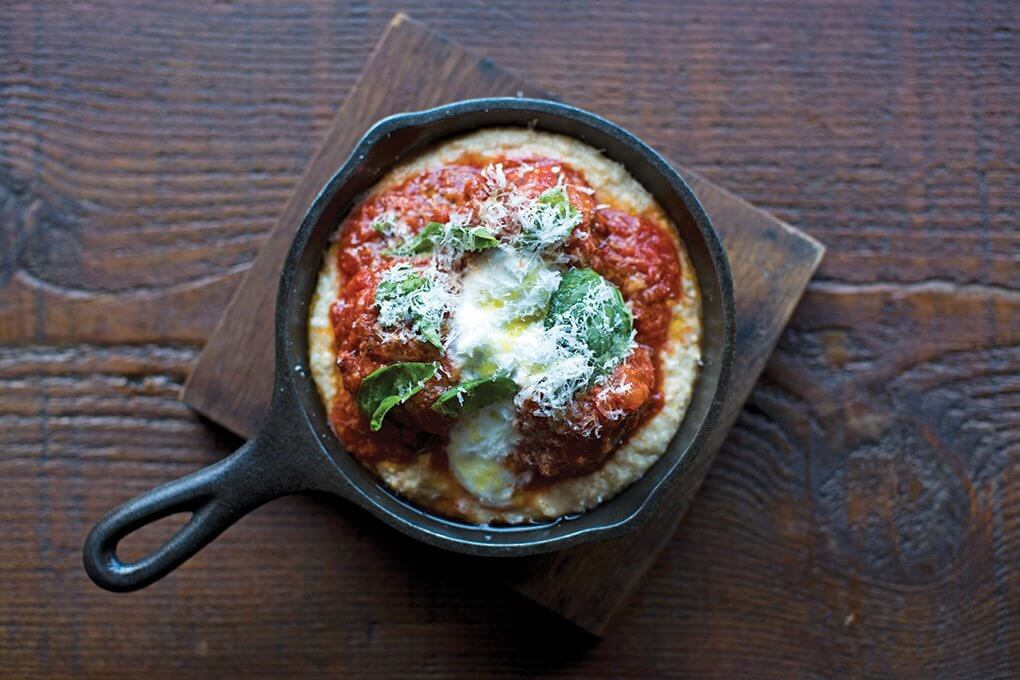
x: 498, y: 327
x: 479, y: 443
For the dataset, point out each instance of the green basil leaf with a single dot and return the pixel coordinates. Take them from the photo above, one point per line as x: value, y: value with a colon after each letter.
x: 474, y: 395
x: 470, y: 239
x: 595, y: 309
x: 552, y: 221
x: 383, y: 226
x: 390, y: 385
x: 390, y: 289
x: 422, y: 242
x: 464, y: 239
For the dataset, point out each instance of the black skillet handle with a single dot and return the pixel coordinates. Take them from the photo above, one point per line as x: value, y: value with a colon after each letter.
x: 217, y: 496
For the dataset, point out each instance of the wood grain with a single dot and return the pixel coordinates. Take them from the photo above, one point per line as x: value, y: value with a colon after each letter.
x: 862, y: 519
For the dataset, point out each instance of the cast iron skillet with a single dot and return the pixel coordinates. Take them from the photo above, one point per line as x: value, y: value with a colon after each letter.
x: 295, y: 450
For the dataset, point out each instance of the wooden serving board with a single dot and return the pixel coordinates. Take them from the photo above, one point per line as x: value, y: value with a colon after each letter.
x: 413, y: 68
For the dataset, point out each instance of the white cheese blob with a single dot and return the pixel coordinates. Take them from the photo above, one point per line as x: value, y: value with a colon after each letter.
x: 497, y: 323
x: 479, y: 443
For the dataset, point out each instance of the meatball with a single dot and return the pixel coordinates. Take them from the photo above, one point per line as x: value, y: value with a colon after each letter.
x: 417, y: 411
x: 640, y: 259
x: 361, y: 350
x: 596, y: 422
x: 533, y: 176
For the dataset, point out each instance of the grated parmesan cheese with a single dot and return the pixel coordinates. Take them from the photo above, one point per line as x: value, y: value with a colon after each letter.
x: 413, y: 303
x: 547, y: 221
x: 499, y: 325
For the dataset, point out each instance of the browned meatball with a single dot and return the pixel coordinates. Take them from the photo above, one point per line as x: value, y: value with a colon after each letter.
x: 361, y: 350
x: 417, y: 411
x: 593, y: 426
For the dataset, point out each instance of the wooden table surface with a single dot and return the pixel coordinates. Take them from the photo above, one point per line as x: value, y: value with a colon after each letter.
x: 863, y: 519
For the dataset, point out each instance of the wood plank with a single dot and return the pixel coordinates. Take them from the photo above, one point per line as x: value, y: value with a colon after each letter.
x: 772, y: 263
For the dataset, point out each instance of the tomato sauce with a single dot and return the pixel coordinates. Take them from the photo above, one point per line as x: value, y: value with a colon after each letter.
x: 631, y: 251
